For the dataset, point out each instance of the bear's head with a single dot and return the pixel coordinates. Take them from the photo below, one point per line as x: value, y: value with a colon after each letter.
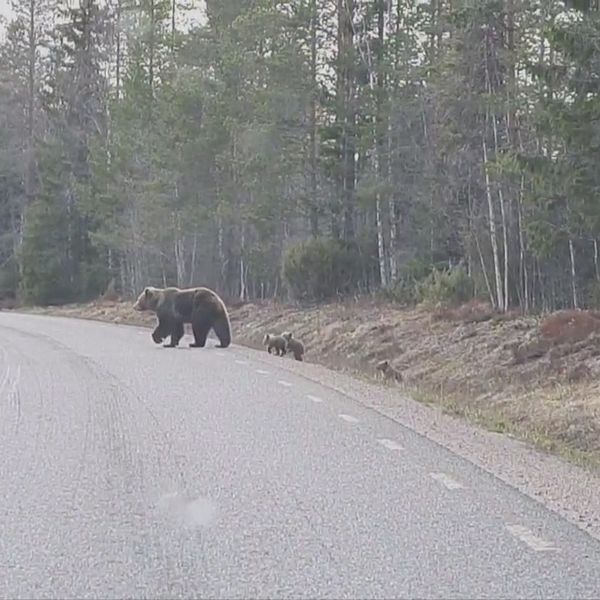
x: 383, y: 365
x: 148, y: 299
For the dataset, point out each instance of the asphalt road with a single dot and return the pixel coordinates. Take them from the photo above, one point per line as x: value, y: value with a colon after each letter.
x: 129, y: 470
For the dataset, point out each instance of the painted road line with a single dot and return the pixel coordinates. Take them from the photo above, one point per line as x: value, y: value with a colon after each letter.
x: 348, y: 418
x: 262, y: 372
x: 528, y: 537
x: 284, y: 383
x: 241, y: 362
x: 314, y: 398
x: 446, y: 481
x: 390, y: 444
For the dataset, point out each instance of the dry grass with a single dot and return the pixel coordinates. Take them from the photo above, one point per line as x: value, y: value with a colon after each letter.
x: 570, y: 326
x: 509, y: 373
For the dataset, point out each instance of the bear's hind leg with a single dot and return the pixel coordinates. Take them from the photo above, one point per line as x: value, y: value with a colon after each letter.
x: 200, y: 329
x: 222, y: 330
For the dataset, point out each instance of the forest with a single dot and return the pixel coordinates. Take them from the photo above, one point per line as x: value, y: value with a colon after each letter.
x: 304, y: 150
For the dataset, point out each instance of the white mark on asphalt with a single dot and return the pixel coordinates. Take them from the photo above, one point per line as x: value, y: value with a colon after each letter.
x: 284, y: 383
x: 262, y: 372
x: 348, y: 418
x: 220, y: 353
x: 446, y: 481
x: 390, y: 444
x: 529, y: 538
x: 241, y: 362
x: 199, y: 512
x: 314, y: 398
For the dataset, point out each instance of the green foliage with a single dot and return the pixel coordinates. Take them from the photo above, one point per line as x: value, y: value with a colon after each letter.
x: 445, y: 287
x: 321, y: 269
x: 405, y: 291
x: 195, y: 155
x: 9, y: 278
x: 44, y: 257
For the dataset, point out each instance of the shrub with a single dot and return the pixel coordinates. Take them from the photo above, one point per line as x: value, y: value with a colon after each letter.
x: 404, y: 291
x: 321, y: 269
x: 445, y: 287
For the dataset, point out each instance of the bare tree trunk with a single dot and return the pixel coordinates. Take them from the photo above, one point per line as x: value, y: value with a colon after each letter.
x: 118, y: 50
x: 380, y: 128
x: 132, y: 278
x: 173, y: 15
x: 123, y: 277
x: 393, y: 256
x: 346, y: 117
x: 504, y: 307
x: 193, y: 260
x: 180, y: 260
x: 523, y: 274
x: 179, y: 241
x: 380, y: 243
x: 377, y: 126
x: 596, y: 259
x: 243, y: 271
x: 313, y: 210
x: 492, y: 226
x: 573, y: 273
x: 484, y: 270
x: 32, y: 41
x: 152, y: 49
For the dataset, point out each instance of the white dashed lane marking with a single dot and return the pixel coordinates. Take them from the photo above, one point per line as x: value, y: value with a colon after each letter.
x: 390, y: 444
x: 241, y: 362
x: 446, y: 481
x: 220, y: 353
x: 284, y: 383
x: 262, y: 372
x: 348, y: 418
x: 314, y: 398
x: 528, y: 537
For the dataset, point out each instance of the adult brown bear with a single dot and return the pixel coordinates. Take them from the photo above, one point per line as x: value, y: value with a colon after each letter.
x: 200, y: 306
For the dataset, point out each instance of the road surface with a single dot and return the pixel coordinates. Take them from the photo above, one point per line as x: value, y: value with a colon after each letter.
x: 129, y: 470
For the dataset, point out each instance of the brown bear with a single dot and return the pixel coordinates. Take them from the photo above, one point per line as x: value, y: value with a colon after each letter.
x: 274, y: 342
x: 387, y: 371
x: 200, y: 306
x: 296, y: 347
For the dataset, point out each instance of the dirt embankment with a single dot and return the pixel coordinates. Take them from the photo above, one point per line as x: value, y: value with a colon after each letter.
x: 535, y: 378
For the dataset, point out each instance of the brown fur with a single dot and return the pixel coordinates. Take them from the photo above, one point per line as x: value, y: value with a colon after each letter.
x: 174, y: 307
x: 275, y: 341
x: 296, y: 347
x: 388, y: 371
